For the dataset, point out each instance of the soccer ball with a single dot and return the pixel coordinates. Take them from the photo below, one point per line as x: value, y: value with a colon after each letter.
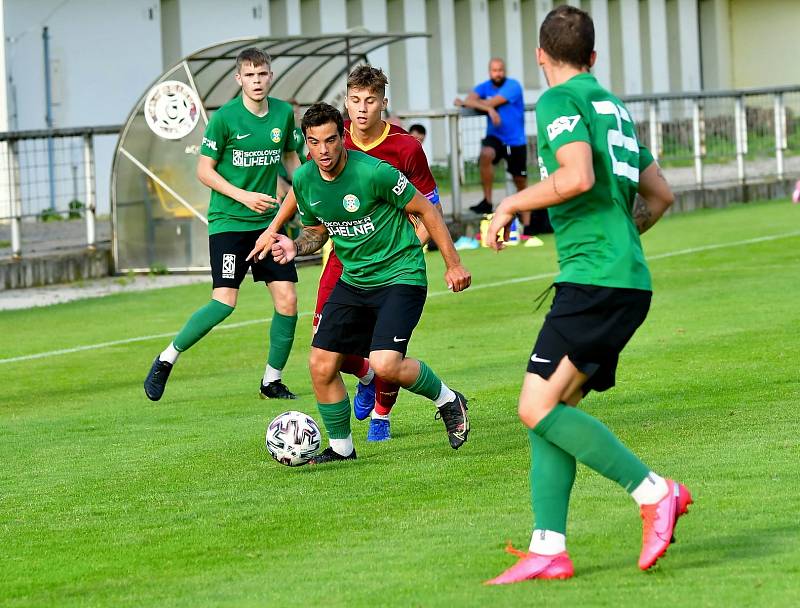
x: 293, y: 438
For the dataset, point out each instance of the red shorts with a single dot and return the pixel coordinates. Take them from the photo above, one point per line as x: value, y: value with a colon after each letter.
x: 330, y: 276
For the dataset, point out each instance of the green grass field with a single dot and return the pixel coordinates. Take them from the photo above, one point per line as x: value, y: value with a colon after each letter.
x: 107, y: 499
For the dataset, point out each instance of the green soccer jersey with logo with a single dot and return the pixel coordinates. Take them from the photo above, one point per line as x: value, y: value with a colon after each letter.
x: 596, y: 238
x: 248, y: 150
x: 363, y: 211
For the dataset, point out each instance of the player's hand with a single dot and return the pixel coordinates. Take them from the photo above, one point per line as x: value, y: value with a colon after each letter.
x: 457, y: 278
x: 501, y: 220
x: 495, y: 117
x: 283, y: 249
x: 263, y: 245
x: 257, y: 201
x: 458, y: 103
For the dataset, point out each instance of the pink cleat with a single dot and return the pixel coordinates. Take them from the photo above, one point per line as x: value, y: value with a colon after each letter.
x: 659, y: 520
x: 534, y: 565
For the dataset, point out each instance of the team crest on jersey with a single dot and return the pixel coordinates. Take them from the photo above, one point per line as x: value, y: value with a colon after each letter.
x: 351, y: 203
x: 561, y: 124
x: 275, y: 135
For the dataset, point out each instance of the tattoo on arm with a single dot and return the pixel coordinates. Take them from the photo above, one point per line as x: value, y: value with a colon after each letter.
x: 642, y: 216
x: 310, y: 241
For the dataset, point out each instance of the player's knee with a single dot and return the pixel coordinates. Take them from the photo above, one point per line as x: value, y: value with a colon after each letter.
x: 286, y: 302
x: 532, y: 412
x: 486, y: 157
x: 322, y: 366
x: 386, y: 365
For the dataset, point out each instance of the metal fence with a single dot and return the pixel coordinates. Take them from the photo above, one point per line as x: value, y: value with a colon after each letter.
x: 701, y: 140
x: 47, y: 176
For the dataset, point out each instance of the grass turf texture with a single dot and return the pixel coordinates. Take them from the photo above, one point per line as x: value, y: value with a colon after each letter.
x: 107, y: 499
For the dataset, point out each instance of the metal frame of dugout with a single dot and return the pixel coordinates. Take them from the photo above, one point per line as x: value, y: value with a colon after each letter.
x: 158, y: 206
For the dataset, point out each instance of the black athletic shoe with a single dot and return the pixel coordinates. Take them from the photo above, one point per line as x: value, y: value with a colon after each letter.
x: 276, y: 390
x: 156, y: 380
x: 482, y: 208
x: 456, y: 421
x: 328, y: 455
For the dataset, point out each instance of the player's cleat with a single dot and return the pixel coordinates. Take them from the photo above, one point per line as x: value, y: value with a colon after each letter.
x: 364, y: 401
x: 456, y: 421
x: 329, y: 455
x: 658, y: 522
x: 156, y: 379
x: 275, y: 390
x: 378, y: 430
x: 482, y: 208
x: 535, y: 565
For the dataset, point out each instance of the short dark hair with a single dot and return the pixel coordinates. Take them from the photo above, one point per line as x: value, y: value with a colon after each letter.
x: 418, y: 128
x: 567, y: 35
x: 254, y: 56
x: 369, y: 78
x: 322, y: 113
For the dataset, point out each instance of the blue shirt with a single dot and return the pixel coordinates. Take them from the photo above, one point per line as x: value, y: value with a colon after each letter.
x: 512, y: 113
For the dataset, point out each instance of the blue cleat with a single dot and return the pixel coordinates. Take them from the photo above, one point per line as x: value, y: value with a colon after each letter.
x: 364, y: 401
x: 378, y: 430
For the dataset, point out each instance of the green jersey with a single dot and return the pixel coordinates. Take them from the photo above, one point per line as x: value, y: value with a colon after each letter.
x: 596, y: 238
x: 248, y: 150
x: 363, y: 211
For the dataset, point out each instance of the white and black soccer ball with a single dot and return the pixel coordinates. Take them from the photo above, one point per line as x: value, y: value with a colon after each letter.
x: 293, y: 438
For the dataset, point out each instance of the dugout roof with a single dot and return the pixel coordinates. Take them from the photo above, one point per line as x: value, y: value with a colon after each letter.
x: 159, y: 208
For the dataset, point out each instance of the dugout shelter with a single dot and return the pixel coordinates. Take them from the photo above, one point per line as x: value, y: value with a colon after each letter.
x: 158, y: 205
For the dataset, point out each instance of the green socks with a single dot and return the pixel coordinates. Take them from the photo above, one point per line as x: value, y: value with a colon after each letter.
x: 281, y: 337
x: 336, y: 418
x: 592, y: 443
x: 427, y: 383
x: 552, y: 475
x: 200, y: 323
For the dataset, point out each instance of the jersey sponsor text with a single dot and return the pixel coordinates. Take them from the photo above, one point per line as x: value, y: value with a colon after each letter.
x: 561, y: 124
x: 350, y: 228
x: 255, y: 158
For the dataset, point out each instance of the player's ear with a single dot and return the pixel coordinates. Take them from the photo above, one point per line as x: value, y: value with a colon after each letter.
x: 592, y: 58
x: 385, y: 103
x: 238, y: 78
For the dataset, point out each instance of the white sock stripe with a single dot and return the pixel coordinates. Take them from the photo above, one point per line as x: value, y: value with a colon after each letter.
x: 661, y: 256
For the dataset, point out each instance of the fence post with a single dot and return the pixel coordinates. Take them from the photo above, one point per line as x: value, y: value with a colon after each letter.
x: 16, y: 199
x: 90, y: 205
x: 697, y: 130
x: 780, y: 132
x: 455, y: 164
x: 740, y: 125
x: 653, y: 119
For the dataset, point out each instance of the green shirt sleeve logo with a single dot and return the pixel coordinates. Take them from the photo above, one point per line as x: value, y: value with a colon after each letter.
x: 275, y: 135
x: 351, y: 203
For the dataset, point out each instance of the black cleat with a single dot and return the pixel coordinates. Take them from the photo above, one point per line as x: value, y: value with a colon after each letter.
x: 482, y: 208
x: 156, y: 380
x: 456, y: 421
x: 328, y: 455
x: 276, y: 390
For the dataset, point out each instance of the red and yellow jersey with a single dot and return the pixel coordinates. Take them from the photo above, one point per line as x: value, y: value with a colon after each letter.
x: 403, y: 152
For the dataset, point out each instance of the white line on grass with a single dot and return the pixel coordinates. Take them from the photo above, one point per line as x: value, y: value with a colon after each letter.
x: 660, y: 256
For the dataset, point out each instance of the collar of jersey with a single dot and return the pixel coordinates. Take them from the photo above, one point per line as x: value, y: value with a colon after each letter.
x: 375, y: 143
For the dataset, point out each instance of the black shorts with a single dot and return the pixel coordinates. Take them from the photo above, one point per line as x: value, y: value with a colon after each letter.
x: 516, y: 156
x: 590, y: 325
x: 229, y: 251
x: 358, y: 321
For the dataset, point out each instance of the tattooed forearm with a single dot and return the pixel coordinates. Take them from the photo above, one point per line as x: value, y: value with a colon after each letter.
x: 310, y: 241
x: 642, y: 216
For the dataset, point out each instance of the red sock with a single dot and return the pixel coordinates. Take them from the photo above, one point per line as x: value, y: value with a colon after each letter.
x: 385, y: 396
x: 353, y: 364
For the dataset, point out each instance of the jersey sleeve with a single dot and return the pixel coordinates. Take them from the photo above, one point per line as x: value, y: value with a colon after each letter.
x: 645, y: 158
x: 511, y: 91
x: 419, y: 174
x: 480, y: 90
x: 290, y: 141
x: 559, y: 120
x: 215, y: 137
x: 307, y: 217
x: 297, y: 142
x: 392, y: 186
